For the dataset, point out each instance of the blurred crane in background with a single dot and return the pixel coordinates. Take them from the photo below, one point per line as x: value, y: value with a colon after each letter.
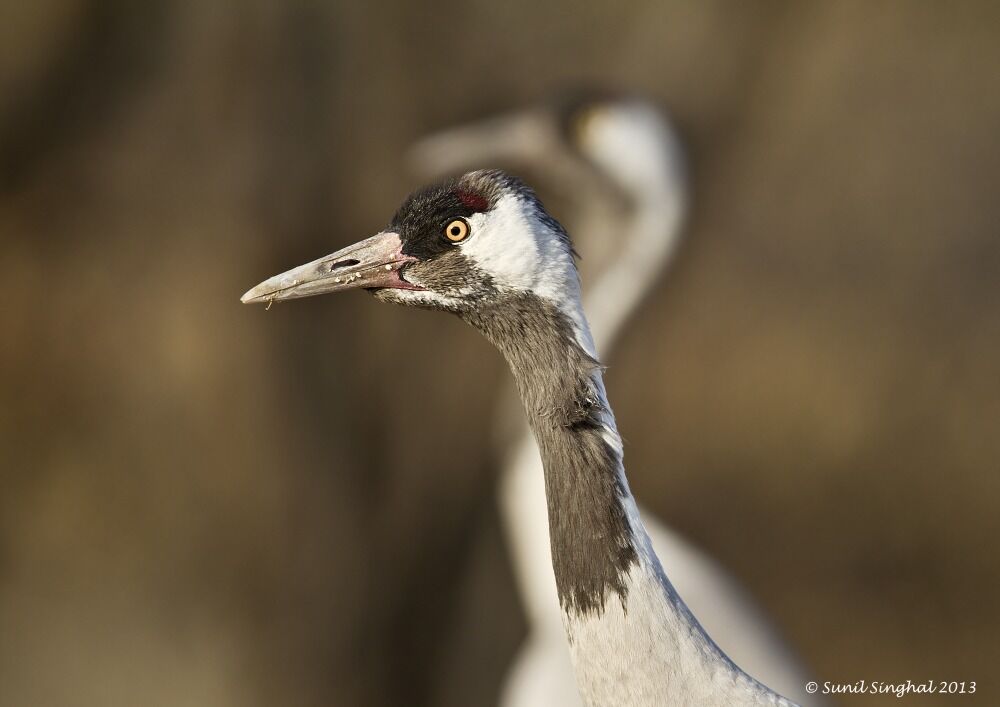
x: 620, y: 164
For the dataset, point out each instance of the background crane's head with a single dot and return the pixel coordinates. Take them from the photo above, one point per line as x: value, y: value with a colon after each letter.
x: 578, y: 140
x: 460, y: 245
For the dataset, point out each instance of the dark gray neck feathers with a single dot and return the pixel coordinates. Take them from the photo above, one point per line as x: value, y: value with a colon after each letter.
x: 592, y: 544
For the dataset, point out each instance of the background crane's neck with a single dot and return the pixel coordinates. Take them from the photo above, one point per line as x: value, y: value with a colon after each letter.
x: 646, y: 239
x: 551, y: 356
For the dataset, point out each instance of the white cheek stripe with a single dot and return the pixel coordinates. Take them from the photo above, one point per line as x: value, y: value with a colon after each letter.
x: 522, y: 254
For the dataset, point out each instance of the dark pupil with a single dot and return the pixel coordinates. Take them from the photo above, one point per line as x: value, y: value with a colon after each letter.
x: 455, y: 230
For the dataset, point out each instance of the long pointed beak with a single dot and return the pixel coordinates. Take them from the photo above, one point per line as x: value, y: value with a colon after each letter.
x: 374, y: 263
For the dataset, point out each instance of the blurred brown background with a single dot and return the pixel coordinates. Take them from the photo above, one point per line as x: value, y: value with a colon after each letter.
x: 204, y: 504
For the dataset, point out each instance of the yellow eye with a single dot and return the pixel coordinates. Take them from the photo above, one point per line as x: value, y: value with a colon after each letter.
x: 457, y: 231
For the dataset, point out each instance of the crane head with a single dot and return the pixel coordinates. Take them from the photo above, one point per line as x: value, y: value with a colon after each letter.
x: 458, y: 245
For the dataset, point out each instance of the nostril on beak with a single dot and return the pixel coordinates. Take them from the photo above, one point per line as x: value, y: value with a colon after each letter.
x: 343, y: 264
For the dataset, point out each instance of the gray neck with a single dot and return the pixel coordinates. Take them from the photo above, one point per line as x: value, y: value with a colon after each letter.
x: 664, y: 655
x: 593, y: 546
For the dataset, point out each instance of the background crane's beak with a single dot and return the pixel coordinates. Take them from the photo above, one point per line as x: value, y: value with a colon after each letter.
x: 513, y: 139
x: 374, y: 263
x: 523, y: 140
